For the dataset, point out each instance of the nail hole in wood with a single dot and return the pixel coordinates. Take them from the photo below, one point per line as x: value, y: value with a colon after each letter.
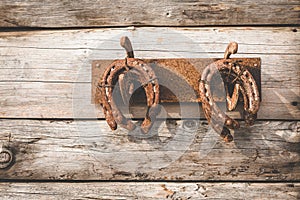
x: 294, y: 103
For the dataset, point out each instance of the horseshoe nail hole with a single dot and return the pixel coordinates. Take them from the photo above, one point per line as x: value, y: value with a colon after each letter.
x: 294, y: 103
x: 294, y: 30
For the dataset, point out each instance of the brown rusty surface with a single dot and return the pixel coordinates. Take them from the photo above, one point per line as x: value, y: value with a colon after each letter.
x: 142, y: 73
x: 182, y: 74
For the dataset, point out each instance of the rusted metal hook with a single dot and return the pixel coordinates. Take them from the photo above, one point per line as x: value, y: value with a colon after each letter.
x: 130, y: 72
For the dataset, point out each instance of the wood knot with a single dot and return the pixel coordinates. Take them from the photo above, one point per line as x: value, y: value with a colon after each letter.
x: 6, y: 158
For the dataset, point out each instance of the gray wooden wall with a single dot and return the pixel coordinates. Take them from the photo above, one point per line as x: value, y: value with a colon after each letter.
x: 62, y: 151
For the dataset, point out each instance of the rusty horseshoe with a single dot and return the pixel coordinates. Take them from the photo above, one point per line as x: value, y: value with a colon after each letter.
x: 244, y: 84
x: 142, y: 73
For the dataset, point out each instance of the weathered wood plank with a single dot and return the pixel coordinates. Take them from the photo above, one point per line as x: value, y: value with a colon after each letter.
x: 88, y: 150
x: 67, y: 100
x: 34, y: 13
x: 44, y: 72
x: 148, y: 191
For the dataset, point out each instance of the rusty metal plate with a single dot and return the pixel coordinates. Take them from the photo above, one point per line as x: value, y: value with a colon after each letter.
x: 183, y: 74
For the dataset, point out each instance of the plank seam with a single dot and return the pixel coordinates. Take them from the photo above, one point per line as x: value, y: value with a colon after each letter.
x: 103, y: 119
x: 146, y: 181
x: 33, y: 28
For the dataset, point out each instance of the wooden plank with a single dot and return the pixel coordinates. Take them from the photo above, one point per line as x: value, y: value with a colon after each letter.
x: 87, y: 13
x: 47, y: 74
x: 148, y: 191
x: 182, y: 150
x: 67, y: 100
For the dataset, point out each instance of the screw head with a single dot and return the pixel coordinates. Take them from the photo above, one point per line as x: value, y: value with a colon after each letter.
x: 6, y: 158
x: 190, y: 125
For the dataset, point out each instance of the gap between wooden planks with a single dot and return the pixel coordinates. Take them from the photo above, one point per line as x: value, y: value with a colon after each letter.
x: 47, y: 74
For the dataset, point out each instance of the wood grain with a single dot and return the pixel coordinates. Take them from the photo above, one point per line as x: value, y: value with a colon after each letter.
x: 150, y: 191
x: 67, y: 100
x: 87, y: 13
x: 47, y: 74
x: 180, y: 150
